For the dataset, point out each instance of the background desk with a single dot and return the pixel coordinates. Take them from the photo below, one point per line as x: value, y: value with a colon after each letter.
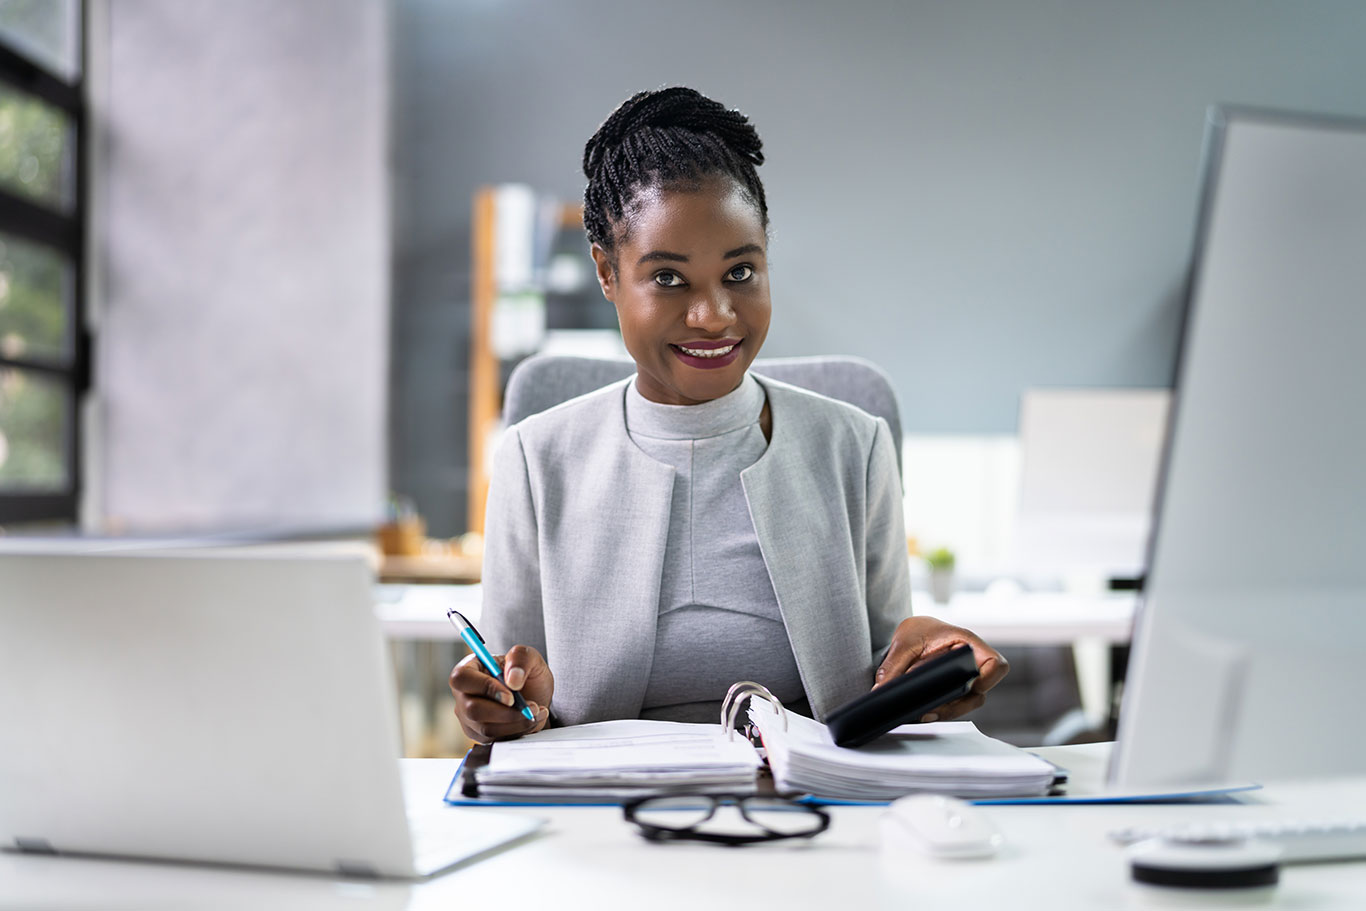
x: 1090, y: 624
x: 433, y: 569
x: 1031, y: 618
x: 1057, y: 858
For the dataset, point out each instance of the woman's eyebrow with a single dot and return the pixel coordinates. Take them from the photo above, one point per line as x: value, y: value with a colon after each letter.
x: 662, y: 256
x: 746, y: 250
x: 665, y: 256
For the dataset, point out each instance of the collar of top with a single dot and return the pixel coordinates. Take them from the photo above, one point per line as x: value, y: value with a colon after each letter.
x: 735, y: 410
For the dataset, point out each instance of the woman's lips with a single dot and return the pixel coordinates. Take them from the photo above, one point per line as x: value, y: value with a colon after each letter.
x: 708, y: 355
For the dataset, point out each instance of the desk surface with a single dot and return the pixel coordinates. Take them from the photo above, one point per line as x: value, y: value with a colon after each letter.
x: 1033, y: 618
x: 1057, y: 858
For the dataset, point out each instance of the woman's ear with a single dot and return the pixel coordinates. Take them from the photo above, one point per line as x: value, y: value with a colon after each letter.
x: 607, y: 273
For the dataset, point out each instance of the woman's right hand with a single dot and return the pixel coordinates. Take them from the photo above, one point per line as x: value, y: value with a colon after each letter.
x: 483, y: 703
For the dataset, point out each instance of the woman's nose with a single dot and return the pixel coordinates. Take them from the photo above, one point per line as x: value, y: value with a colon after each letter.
x: 711, y: 313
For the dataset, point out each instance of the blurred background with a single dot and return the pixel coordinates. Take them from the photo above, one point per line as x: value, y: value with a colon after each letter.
x: 265, y: 266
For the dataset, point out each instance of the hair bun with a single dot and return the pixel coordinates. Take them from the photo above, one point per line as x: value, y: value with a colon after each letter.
x: 676, y: 107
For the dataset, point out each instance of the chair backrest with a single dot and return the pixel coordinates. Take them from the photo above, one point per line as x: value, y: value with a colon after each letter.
x: 546, y: 380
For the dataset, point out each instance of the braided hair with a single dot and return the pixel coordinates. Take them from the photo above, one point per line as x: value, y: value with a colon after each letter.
x: 667, y: 138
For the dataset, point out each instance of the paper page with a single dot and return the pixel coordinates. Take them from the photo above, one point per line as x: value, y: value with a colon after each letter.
x: 611, y: 746
x: 954, y: 745
x: 947, y: 756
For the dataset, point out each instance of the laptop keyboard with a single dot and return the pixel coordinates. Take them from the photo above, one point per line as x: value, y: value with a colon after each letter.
x: 446, y: 836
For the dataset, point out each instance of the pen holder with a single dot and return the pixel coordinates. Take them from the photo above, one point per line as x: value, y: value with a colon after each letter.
x: 402, y: 537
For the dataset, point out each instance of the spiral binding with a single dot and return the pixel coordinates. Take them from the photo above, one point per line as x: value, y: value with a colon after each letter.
x: 736, y: 696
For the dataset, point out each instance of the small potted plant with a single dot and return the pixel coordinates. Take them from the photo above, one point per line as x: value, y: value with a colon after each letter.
x: 940, y: 561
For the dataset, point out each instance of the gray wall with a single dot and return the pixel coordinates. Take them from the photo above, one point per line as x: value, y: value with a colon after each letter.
x: 980, y: 196
x: 241, y: 263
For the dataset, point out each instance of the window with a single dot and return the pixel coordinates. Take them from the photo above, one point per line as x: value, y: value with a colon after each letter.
x: 44, y: 348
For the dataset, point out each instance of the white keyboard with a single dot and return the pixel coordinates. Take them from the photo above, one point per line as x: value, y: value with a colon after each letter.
x: 1300, y: 840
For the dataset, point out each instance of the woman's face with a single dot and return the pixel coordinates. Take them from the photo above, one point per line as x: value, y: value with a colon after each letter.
x: 691, y: 290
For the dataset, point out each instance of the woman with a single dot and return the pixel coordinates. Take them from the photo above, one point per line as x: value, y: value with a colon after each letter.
x: 658, y: 539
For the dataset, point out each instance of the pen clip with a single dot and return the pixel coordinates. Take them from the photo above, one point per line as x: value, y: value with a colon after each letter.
x: 463, y: 625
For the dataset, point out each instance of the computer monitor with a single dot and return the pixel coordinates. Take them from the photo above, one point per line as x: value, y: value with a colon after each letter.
x: 1248, y: 648
x: 1088, y: 468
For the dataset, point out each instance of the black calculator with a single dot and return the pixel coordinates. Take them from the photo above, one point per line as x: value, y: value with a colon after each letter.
x: 922, y: 689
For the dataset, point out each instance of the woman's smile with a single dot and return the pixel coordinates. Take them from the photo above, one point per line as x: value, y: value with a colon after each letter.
x: 708, y: 355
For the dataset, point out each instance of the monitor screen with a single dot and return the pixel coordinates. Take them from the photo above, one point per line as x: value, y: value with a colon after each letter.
x: 1088, y: 466
x: 1247, y: 648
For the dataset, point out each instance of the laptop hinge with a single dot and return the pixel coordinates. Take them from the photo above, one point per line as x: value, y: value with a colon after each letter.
x: 34, y: 845
x: 357, y: 868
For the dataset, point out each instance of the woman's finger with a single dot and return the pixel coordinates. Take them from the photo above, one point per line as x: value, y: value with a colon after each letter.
x: 990, y: 672
x: 486, y: 711
x: 486, y: 732
x: 470, y: 678
x: 906, y: 649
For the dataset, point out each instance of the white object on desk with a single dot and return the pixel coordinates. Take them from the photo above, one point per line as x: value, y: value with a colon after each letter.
x: 1300, y: 840
x: 1088, y: 468
x: 940, y: 826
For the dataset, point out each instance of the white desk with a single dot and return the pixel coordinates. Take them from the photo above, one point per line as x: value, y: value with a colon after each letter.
x: 1057, y: 859
x: 418, y: 612
x: 1037, y: 618
x: 1033, y: 618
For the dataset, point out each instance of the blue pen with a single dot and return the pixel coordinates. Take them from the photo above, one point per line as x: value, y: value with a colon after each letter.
x: 476, y: 644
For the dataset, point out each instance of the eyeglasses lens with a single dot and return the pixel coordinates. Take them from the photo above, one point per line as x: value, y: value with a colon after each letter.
x: 679, y: 813
x: 750, y: 817
x: 781, y: 816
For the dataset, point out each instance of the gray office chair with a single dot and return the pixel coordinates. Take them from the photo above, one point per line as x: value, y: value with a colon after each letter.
x: 542, y: 381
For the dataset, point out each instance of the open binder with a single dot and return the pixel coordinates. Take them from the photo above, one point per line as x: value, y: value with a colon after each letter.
x: 612, y: 761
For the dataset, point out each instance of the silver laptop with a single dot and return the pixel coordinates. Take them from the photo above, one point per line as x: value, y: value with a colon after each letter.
x: 226, y: 707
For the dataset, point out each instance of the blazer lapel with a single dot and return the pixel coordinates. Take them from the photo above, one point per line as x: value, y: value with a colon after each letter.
x: 608, y: 642
x: 802, y: 527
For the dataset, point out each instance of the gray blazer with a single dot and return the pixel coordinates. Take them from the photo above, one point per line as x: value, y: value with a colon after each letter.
x: 578, y: 518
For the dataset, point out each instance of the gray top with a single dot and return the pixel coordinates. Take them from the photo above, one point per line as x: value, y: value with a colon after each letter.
x: 719, y: 620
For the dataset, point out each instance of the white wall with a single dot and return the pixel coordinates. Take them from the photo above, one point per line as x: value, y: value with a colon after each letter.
x: 240, y: 262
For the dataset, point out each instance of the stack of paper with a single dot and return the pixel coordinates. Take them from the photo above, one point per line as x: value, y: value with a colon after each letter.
x: 616, y: 760
x: 949, y: 757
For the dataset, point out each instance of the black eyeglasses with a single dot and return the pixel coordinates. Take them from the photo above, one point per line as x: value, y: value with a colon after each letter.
x: 752, y: 818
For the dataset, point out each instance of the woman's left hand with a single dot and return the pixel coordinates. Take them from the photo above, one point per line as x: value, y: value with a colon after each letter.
x: 919, y: 638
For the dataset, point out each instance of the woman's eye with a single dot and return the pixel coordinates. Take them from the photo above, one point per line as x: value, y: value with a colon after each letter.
x: 740, y: 273
x: 668, y: 279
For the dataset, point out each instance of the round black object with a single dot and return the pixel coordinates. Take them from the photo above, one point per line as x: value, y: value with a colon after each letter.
x: 1233, y: 864
x: 1244, y: 878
